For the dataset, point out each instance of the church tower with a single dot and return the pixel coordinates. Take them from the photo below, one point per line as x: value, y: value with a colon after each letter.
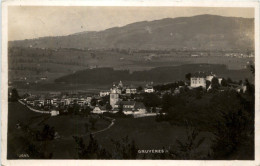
x: 114, y: 97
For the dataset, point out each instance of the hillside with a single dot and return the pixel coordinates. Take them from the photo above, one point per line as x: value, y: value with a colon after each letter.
x: 174, y: 73
x: 207, y: 32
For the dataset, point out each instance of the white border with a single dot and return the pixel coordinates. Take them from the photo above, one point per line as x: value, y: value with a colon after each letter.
x: 4, y: 82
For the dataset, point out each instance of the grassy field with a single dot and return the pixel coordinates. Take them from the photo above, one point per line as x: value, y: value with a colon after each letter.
x: 149, y: 134
x: 66, y: 126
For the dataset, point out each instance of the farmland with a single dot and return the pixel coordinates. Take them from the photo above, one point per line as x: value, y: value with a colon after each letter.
x: 28, y: 73
x: 34, y: 63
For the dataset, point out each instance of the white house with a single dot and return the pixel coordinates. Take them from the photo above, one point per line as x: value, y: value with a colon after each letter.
x: 130, y: 90
x: 98, y: 110
x: 54, y: 113
x: 148, y: 89
x: 131, y: 107
x: 198, y: 80
x: 104, y: 93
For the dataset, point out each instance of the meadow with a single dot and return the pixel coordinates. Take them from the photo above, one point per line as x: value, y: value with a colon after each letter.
x: 146, y: 132
x: 66, y: 126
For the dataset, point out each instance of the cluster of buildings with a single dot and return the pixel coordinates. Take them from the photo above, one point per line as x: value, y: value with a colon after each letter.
x: 50, y: 101
x: 119, y: 98
x: 116, y: 95
x: 240, y: 55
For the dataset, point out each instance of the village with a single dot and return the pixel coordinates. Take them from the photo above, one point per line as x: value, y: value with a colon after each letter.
x: 127, y: 99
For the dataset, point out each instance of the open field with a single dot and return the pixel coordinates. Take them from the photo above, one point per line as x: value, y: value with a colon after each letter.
x: 147, y: 133
x: 66, y: 126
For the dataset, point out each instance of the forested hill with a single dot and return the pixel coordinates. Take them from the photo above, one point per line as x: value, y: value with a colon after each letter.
x: 158, y: 75
x: 205, y: 32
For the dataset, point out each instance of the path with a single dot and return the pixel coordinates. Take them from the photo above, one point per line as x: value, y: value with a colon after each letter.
x: 34, y: 110
x: 108, y: 127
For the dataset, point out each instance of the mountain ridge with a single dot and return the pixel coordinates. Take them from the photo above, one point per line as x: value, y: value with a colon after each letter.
x: 197, y: 32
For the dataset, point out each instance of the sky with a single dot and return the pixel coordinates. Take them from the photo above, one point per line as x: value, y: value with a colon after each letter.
x: 27, y: 22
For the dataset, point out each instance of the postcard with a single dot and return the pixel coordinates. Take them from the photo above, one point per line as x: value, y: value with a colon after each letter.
x: 144, y: 83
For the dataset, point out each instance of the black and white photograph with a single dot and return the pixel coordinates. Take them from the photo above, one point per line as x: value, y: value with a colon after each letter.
x: 130, y: 82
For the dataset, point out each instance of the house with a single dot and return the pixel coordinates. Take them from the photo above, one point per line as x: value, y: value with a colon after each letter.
x: 64, y: 101
x: 128, y: 106
x: 48, y: 101
x: 130, y: 90
x: 198, y: 80
x: 30, y: 102
x: 54, y: 113
x: 99, y: 110
x: 81, y: 101
x: 56, y: 102
x: 148, y: 89
x: 131, y: 107
x: 104, y: 93
x: 39, y: 102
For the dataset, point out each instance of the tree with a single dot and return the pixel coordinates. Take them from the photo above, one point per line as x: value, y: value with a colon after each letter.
x: 139, y: 88
x: 86, y: 110
x: 124, y: 149
x: 46, y: 134
x: 249, y: 88
x: 188, y: 76
x: 101, y: 103
x: 151, y: 100
x: 74, y: 109
x: 93, y: 102
x: 224, y: 82
x: 91, y: 151
x: 108, y: 107
x: 14, y: 96
x: 234, y: 124
x: 229, y: 81
x: 214, y: 83
x: 252, y: 69
x: 188, y: 148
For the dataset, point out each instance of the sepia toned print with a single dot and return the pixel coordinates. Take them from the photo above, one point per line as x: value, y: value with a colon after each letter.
x: 128, y: 82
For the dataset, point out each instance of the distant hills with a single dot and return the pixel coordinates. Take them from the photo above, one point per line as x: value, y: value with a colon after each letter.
x: 207, y: 32
x: 170, y: 74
